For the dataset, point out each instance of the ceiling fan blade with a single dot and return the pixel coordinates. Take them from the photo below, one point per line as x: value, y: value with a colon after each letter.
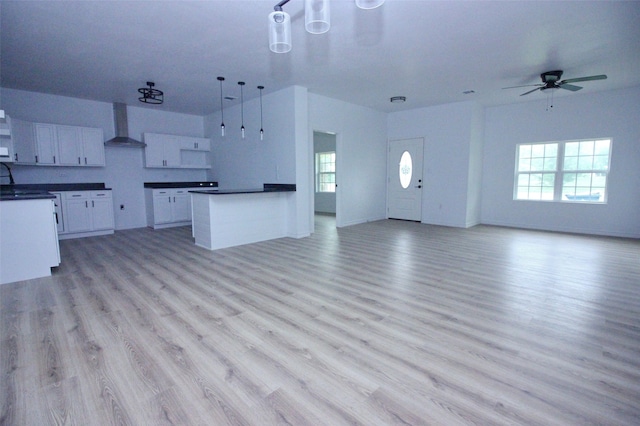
x: 524, y: 85
x: 593, y: 77
x: 570, y: 87
x: 531, y: 91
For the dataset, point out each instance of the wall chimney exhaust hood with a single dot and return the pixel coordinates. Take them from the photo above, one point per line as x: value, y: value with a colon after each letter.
x: 122, y: 138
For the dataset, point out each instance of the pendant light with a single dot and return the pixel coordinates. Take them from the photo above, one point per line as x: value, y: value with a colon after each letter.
x: 369, y: 4
x: 279, y: 29
x: 241, y: 84
x: 221, y: 79
x: 316, y: 16
x: 261, y: 130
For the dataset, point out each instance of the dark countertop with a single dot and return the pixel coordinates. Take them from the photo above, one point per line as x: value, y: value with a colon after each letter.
x: 267, y: 187
x: 57, y: 186
x: 23, y: 194
x: 161, y: 185
x: 36, y: 191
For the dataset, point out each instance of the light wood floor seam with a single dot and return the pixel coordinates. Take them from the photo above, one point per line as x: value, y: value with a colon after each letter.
x: 383, y: 323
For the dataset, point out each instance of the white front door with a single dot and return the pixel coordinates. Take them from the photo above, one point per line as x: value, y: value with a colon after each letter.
x: 404, y: 183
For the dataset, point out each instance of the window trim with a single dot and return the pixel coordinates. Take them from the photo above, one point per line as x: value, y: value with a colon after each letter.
x: 559, y: 172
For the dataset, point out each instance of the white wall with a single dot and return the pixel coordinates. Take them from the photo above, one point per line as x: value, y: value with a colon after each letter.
x: 124, y: 171
x: 452, y: 153
x: 361, y: 153
x: 249, y: 163
x: 612, y: 114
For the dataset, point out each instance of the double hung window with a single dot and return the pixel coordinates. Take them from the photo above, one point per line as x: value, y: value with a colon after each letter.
x: 326, y: 171
x: 570, y: 171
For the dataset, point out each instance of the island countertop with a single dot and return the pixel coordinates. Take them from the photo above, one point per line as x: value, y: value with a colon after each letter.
x: 267, y: 187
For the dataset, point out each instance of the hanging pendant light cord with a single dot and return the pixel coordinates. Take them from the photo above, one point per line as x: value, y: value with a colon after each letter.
x: 241, y: 83
x: 261, y: 130
x: 221, y: 79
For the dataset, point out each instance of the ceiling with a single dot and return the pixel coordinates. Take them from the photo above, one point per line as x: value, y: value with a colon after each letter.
x: 429, y: 51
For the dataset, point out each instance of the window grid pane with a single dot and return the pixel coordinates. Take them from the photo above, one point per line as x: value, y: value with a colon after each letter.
x: 325, y: 172
x: 582, y: 171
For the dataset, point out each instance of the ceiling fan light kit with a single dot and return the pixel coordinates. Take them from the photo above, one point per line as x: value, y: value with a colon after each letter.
x: 317, y: 20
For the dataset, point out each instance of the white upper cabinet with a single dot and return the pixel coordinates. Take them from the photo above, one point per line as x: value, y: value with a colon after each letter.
x: 24, y: 143
x: 178, y: 152
x: 58, y: 145
x: 162, y: 150
x: 46, y: 144
x: 80, y: 146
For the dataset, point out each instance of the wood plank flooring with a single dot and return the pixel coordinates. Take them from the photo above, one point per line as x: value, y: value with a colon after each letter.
x: 382, y: 323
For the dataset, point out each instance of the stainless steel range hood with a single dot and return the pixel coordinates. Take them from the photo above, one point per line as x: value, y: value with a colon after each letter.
x: 122, y: 138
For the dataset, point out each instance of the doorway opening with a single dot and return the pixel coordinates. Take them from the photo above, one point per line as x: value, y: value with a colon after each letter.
x: 324, y: 175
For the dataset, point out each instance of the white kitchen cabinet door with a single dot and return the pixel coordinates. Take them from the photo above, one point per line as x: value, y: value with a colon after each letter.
x: 69, y: 145
x: 93, y: 146
x: 101, y: 210
x: 24, y: 143
x: 46, y: 144
x: 162, y: 207
x: 190, y: 143
x: 181, y: 205
x: 77, y: 212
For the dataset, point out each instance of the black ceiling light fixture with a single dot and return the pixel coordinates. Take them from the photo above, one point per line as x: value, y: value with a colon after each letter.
x: 261, y: 130
x: 151, y: 95
x: 241, y: 84
x: 221, y: 79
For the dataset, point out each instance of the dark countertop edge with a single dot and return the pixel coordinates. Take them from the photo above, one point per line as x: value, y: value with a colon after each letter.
x: 58, y: 186
x: 160, y: 185
x: 267, y: 187
x: 27, y: 197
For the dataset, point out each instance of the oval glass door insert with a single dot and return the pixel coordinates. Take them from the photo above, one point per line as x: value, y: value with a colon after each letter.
x: 405, y: 169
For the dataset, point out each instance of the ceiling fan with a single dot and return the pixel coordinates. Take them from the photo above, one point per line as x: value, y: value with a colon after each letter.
x: 551, y: 80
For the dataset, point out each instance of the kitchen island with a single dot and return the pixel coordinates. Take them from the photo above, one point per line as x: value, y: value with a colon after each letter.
x: 227, y: 218
x: 28, y: 236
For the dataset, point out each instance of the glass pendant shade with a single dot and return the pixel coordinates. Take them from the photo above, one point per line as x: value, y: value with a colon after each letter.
x: 279, y: 32
x: 369, y: 4
x: 316, y: 16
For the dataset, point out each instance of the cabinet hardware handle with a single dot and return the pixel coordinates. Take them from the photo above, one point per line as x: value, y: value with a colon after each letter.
x: 16, y: 154
x: 54, y: 159
x: 86, y: 204
x: 79, y: 160
x: 93, y: 204
x: 85, y: 160
x: 36, y: 158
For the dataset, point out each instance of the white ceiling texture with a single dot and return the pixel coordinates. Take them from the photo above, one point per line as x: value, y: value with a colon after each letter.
x: 429, y: 51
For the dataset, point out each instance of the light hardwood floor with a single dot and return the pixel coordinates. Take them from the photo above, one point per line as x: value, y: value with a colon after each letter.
x: 382, y: 323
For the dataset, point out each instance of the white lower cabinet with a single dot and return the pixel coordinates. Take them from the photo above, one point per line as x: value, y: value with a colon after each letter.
x: 86, y: 213
x: 168, y: 207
